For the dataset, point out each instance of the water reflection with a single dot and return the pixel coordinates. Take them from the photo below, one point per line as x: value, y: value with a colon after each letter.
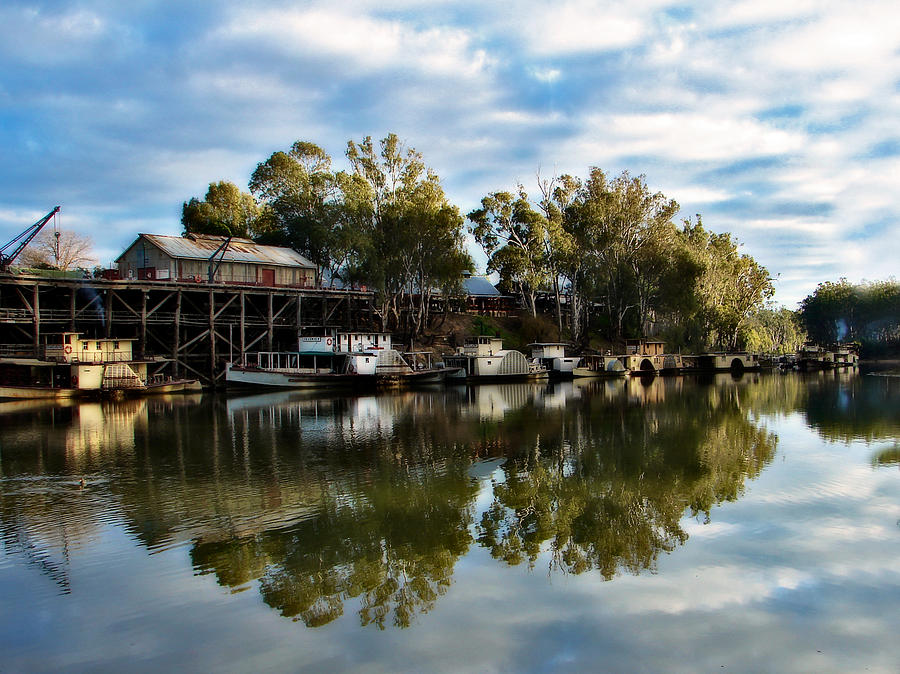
x: 327, y: 505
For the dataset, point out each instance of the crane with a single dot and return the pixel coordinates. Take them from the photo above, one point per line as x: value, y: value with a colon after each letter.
x: 17, y: 245
x: 213, y: 263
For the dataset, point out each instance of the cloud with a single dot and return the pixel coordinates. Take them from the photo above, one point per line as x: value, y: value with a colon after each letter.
x: 774, y: 120
x: 365, y: 42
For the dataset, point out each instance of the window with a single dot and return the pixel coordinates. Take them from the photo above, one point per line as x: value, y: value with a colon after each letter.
x: 84, y: 345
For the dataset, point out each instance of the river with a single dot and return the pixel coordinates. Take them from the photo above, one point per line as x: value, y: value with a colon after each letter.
x: 673, y: 524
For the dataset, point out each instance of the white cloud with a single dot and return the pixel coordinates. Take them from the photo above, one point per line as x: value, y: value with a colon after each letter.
x: 693, y: 136
x: 366, y: 42
x: 583, y: 26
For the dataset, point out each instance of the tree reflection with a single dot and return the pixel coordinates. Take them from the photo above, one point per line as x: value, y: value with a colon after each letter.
x: 608, y: 491
x: 364, y: 505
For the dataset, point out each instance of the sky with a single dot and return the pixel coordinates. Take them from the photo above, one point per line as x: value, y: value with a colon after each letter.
x: 778, y: 122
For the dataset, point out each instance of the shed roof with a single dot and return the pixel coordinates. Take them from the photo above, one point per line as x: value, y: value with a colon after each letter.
x: 480, y: 286
x: 202, y: 246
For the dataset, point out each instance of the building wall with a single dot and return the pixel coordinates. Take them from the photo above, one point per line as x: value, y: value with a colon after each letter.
x: 135, y: 262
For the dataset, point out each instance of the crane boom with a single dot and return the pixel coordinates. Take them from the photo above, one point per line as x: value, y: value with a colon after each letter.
x: 17, y: 245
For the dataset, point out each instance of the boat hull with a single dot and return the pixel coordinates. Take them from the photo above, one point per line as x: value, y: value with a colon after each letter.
x: 38, y: 392
x: 246, y: 376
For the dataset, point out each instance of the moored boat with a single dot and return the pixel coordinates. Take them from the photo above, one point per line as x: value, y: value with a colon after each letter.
x: 595, y: 365
x: 739, y: 361
x: 648, y: 357
x: 72, y: 366
x: 483, y: 358
x: 552, y: 356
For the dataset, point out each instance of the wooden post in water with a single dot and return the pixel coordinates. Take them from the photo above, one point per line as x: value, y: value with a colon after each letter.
x: 176, y: 343
x: 144, y: 348
x: 270, y: 321
x: 212, y: 335
x: 243, y: 334
x: 36, y: 310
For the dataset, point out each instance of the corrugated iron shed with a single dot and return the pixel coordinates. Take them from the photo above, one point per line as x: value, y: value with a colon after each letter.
x: 479, y: 286
x: 201, y: 247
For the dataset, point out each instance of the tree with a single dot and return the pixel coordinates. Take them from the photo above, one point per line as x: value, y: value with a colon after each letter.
x: 773, y: 330
x: 513, y: 236
x: 226, y: 211
x: 625, y: 230
x: 841, y: 311
x: 305, y: 209
x: 730, y: 289
x: 59, y: 249
x: 413, y: 239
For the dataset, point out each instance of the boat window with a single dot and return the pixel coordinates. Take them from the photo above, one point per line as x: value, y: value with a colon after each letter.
x: 84, y: 345
x: 68, y: 339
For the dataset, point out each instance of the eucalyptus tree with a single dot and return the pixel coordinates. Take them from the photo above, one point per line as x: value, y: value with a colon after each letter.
x: 513, y: 236
x: 773, y: 330
x: 842, y: 311
x: 563, y: 249
x: 304, y: 207
x: 225, y: 211
x: 731, y: 288
x: 626, y: 232
x: 413, y: 236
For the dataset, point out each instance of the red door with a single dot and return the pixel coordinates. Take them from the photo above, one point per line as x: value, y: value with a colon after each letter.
x: 268, y: 277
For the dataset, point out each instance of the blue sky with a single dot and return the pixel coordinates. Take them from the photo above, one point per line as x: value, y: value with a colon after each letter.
x: 777, y: 121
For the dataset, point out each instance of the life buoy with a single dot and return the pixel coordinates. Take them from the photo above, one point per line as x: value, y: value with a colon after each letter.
x: 328, y: 342
x: 74, y: 381
x: 68, y: 349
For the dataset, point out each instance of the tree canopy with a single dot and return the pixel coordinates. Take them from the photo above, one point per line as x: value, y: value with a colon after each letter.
x: 605, y: 250
x: 225, y: 211
x: 868, y: 313
x: 609, y: 249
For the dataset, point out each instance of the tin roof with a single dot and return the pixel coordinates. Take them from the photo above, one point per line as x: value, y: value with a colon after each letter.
x: 202, y: 246
x: 480, y: 286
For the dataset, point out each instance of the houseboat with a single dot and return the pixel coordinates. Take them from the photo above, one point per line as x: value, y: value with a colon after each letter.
x: 722, y: 362
x: 644, y: 356
x: 483, y: 358
x: 552, y: 355
x: 595, y: 365
x: 70, y: 365
x: 845, y: 355
x: 337, y: 359
x: 814, y: 357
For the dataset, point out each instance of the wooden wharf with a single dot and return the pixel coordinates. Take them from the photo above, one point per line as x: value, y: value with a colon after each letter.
x: 198, y: 325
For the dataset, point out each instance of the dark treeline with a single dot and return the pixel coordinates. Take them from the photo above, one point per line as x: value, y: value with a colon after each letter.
x: 866, y: 313
x: 605, y: 250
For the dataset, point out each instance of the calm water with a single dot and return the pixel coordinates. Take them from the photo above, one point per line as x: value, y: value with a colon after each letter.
x: 676, y: 524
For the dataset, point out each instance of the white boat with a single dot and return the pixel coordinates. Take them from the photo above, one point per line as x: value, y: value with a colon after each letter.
x: 357, y: 359
x: 552, y: 356
x: 483, y: 358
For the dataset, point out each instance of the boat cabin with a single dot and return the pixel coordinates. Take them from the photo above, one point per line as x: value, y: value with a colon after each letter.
x: 644, y: 347
x: 552, y: 355
x: 71, y: 347
x: 480, y: 345
x: 362, y: 341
